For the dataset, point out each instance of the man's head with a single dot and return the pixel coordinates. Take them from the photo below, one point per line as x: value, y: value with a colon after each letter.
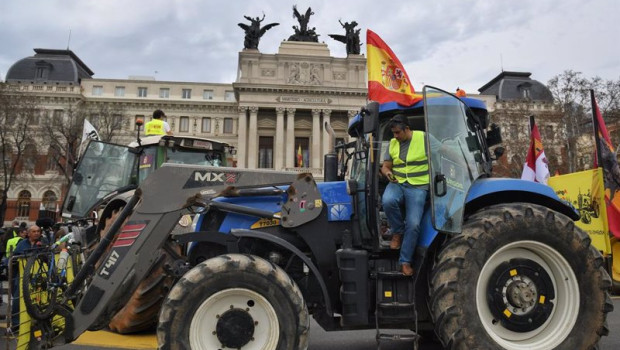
x: 158, y: 114
x: 34, y: 233
x: 400, y: 127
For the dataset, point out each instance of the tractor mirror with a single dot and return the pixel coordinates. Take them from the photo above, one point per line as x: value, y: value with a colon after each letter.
x: 494, y: 136
x: 371, y: 117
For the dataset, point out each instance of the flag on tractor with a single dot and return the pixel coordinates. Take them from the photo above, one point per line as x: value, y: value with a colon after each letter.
x: 387, y: 79
x: 606, y: 158
x: 535, y: 167
x: 89, y: 131
x: 300, y: 158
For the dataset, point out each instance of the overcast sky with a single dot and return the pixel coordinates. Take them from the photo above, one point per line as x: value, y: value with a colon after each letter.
x: 446, y: 43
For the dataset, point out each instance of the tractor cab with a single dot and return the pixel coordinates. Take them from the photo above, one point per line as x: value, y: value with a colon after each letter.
x: 457, y: 147
x: 107, y: 169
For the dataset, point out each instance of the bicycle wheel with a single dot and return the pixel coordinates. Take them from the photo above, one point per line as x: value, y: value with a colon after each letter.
x: 40, y: 286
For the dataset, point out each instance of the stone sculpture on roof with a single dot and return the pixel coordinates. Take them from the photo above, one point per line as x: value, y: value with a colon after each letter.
x: 254, y: 32
x: 351, y: 37
x: 303, y: 33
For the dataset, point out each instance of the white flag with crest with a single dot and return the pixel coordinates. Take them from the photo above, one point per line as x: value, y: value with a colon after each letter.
x: 89, y: 131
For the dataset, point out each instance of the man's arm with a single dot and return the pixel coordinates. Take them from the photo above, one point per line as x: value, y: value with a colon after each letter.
x: 386, y: 170
x: 167, y: 128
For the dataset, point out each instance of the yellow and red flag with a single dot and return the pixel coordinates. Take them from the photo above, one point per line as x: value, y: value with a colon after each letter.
x: 387, y: 79
x: 536, y: 165
x: 300, y: 158
x: 606, y: 159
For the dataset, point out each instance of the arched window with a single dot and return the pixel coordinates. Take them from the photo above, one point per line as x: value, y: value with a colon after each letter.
x: 23, y: 204
x: 49, y: 200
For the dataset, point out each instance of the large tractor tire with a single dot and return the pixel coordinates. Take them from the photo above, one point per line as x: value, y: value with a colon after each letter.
x: 520, y: 276
x: 234, y: 302
x: 140, y: 312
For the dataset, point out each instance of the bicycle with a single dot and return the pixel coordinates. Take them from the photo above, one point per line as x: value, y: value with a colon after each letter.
x: 45, y: 276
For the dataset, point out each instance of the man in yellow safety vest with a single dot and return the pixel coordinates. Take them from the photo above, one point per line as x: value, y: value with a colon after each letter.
x: 157, y: 126
x: 405, y: 165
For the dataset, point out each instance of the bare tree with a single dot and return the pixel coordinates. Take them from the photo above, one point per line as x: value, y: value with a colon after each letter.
x: 107, y: 119
x: 17, y: 113
x: 571, y: 92
x: 63, y: 134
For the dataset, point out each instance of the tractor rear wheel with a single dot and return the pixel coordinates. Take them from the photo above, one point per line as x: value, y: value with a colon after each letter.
x: 533, y: 282
x: 234, y: 302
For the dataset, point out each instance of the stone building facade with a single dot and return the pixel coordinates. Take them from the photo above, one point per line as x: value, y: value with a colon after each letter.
x: 275, y: 109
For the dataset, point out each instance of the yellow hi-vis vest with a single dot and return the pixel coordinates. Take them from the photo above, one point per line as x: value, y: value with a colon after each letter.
x: 415, y: 169
x: 154, y: 127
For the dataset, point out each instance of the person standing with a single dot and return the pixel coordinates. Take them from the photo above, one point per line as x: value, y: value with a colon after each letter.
x: 157, y: 126
x: 405, y: 165
x: 11, y: 244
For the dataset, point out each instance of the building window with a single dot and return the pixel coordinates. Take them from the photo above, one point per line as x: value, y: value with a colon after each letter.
x: 164, y: 93
x: 184, y: 124
x: 526, y: 93
x: 57, y: 116
x: 40, y: 73
x: 97, y: 90
x: 23, y: 204
x: 228, y: 126
x: 142, y: 91
x: 136, y: 126
x: 29, y: 159
x: 119, y: 91
x: 265, y: 152
x: 302, y: 153
x: 207, y: 94
x: 186, y: 93
x: 52, y: 160
x: 549, y: 131
x: 49, y: 200
x: 206, y: 124
x: 229, y: 96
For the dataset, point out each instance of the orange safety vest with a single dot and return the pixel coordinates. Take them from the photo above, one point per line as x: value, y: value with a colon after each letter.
x: 154, y: 127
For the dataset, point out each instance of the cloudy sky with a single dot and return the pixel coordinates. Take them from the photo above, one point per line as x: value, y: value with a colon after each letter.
x: 446, y: 43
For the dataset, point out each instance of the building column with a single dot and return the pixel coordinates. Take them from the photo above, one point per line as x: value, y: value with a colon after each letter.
x: 253, y: 139
x: 316, y: 139
x: 290, y: 138
x: 242, y: 137
x: 326, y: 136
x: 279, y: 141
x: 351, y: 114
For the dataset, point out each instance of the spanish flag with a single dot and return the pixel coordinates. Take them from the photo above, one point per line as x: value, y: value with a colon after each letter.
x: 387, y: 79
x: 300, y: 158
x: 606, y: 158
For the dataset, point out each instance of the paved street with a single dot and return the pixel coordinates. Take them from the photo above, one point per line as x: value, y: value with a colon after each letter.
x: 319, y: 339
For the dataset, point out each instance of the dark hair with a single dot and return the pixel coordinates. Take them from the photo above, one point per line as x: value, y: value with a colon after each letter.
x: 400, y: 121
x: 158, y: 114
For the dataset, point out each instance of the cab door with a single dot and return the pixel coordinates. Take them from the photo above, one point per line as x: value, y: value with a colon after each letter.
x: 454, y: 153
x: 103, y: 169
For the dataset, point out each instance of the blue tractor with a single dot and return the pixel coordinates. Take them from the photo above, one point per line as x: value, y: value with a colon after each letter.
x: 499, y: 264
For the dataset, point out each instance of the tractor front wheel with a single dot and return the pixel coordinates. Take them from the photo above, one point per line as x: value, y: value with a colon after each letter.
x: 520, y: 276
x: 234, y: 302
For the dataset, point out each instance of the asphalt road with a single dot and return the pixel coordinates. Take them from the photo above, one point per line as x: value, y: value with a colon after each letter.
x: 365, y: 340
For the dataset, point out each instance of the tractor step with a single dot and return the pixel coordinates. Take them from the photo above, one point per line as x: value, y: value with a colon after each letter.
x: 397, y: 336
x: 391, y: 275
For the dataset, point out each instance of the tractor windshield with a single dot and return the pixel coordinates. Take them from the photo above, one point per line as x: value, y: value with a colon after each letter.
x: 454, y: 161
x: 103, y: 169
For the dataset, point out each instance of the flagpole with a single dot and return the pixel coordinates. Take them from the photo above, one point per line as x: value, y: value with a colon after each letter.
x: 531, y: 123
x: 597, y: 141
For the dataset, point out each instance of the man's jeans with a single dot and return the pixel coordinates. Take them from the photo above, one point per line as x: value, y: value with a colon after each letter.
x: 413, y: 199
